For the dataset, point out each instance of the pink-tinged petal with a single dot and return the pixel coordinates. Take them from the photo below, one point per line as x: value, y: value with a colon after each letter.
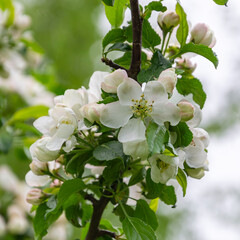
x: 133, y: 131
x: 33, y: 180
x: 62, y: 134
x: 129, y: 90
x: 115, y: 115
x: 155, y: 91
x: 166, y: 112
x: 197, y: 117
x: 44, y: 125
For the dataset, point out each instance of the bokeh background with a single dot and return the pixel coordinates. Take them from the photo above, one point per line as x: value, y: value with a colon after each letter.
x: 69, y: 33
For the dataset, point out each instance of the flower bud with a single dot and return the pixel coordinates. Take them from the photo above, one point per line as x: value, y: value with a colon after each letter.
x: 35, y: 196
x: 197, y: 173
x: 41, y: 152
x: 168, y: 20
x: 202, y: 34
x: 168, y: 78
x: 186, y: 110
x: 39, y: 168
x: 186, y: 64
x: 113, y: 80
x: 92, y: 111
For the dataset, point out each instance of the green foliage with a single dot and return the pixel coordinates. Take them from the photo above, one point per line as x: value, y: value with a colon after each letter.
x: 123, y: 47
x: 182, y: 31
x: 109, y: 151
x: 28, y: 113
x: 187, y: 85
x: 184, y: 135
x: 158, y: 190
x: 154, y: 6
x: 182, y: 180
x: 6, y: 140
x: 137, y: 176
x: 221, y: 2
x: 115, y: 13
x: 199, y: 49
x: 8, y: 5
x: 146, y: 214
x: 158, y: 64
x: 157, y: 137
x: 108, y: 2
x: 150, y: 38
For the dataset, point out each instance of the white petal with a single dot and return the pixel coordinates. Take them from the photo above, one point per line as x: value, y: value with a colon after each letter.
x: 133, y: 131
x: 33, y: 180
x: 62, y: 134
x: 197, y: 117
x: 44, y: 125
x: 136, y: 149
x: 115, y: 115
x: 155, y: 91
x: 70, y: 144
x: 75, y: 97
x: 166, y: 112
x: 129, y: 90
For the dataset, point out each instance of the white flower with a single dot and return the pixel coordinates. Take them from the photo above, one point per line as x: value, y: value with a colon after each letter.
x: 113, y: 80
x: 38, y: 168
x: 33, y: 180
x: 163, y: 167
x: 152, y: 102
x: 70, y: 144
x: 92, y: 111
x: 167, y: 20
x: 168, y: 78
x: 202, y: 34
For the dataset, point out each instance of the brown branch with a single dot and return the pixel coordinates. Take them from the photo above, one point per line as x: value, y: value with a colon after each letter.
x: 137, y: 39
x: 91, y: 198
x: 111, y: 64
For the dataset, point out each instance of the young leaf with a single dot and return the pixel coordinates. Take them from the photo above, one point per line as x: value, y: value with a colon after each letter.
x: 136, y: 229
x: 182, y: 180
x: 182, y: 31
x: 137, y: 177
x: 221, y: 2
x: 157, y: 137
x: 158, y: 64
x: 199, y: 49
x: 115, y: 13
x: 109, y: 151
x: 108, y: 2
x: 145, y: 213
x: 113, y: 36
x: 184, y: 135
x: 158, y: 190
x: 150, y: 38
x: 186, y: 86
x: 123, y: 47
x: 156, y: 6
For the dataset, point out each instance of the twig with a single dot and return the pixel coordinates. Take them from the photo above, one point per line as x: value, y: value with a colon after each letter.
x: 137, y: 39
x: 91, y: 198
x: 111, y: 64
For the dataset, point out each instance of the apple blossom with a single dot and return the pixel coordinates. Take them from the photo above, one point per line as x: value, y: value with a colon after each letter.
x: 185, y: 64
x: 186, y: 110
x: 35, y: 196
x: 202, y: 34
x: 92, y: 111
x: 168, y: 20
x: 39, y: 168
x: 34, y: 180
x: 168, y: 78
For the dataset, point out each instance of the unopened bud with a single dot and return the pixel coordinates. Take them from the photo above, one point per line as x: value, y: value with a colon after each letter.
x: 92, y: 111
x: 168, y: 78
x: 197, y: 173
x: 186, y: 110
x: 35, y: 196
x: 168, y: 20
x: 202, y: 34
x: 186, y: 64
x: 113, y: 80
x: 39, y: 168
x: 41, y: 152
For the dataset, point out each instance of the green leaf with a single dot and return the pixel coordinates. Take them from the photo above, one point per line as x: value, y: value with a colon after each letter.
x: 182, y: 180
x: 8, y: 5
x: 146, y: 214
x: 6, y: 140
x: 29, y: 112
x: 108, y: 2
x: 137, y: 177
x: 184, y: 134
x: 113, y: 36
x: 119, y: 212
x: 187, y: 85
x: 42, y: 221
x: 115, y: 13
x: 158, y: 190
x: 150, y: 38
x: 182, y: 31
x: 158, y: 64
x: 33, y: 45
x: 136, y: 229
x: 109, y: 151
x: 156, y: 6
x: 123, y: 47
x: 221, y: 2
x: 199, y: 49
x: 157, y: 137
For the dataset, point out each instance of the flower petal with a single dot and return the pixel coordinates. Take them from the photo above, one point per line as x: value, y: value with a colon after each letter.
x: 44, y: 125
x: 129, y: 90
x: 114, y: 115
x: 166, y: 112
x: 133, y: 131
x: 155, y: 91
x: 33, y: 180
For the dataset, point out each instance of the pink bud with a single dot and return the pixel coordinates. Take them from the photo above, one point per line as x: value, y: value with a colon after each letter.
x: 168, y: 20
x: 39, y: 168
x: 92, y: 111
x: 35, y: 196
x: 186, y: 64
x: 168, y: 78
x: 186, y: 110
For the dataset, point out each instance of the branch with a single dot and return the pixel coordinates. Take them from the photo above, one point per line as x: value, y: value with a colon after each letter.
x: 137, y: 40
x: 91, y: 198
x: 111, y: 64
